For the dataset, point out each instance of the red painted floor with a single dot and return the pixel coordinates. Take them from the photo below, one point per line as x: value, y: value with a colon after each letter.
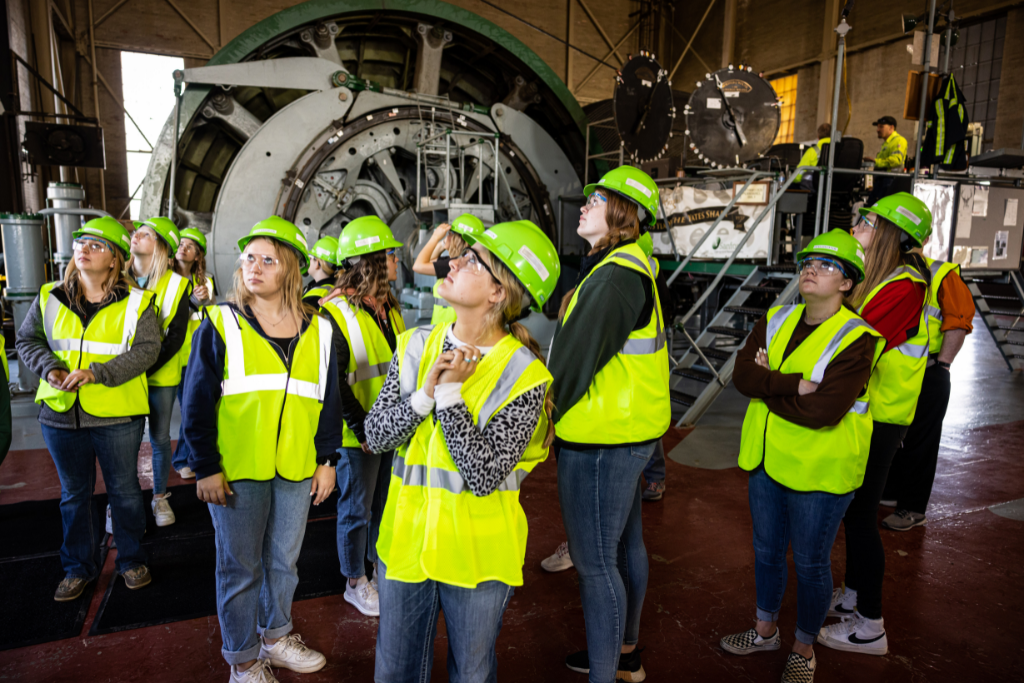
x: 954, y: 591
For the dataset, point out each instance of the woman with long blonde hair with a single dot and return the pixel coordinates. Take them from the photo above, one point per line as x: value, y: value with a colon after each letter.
x: 611, y: 385
x: 367, y: 321
x: 467, y: 405
x: 891, y: 299
x: 261, y: 396
x: 154, y: 244
x: 91, y: 339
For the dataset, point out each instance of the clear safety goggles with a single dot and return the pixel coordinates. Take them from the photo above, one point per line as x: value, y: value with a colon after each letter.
x: 820, y: 266
x: 89, y: 244
x: 261, y: 262
x: 594, y: 200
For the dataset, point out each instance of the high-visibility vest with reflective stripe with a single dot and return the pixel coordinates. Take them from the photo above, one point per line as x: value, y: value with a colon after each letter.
x: 369, y: 355
x: 896, y: 380
x: 830, y: 459
x: 109, y: 334
x: 168, y: 290
x: 939, y: 270
x: 3, y: 354
x: 443, y: 312
x: 628, y: 400
x: 315, y: 294
x: 269, y: 412
x: 433, y: 526
x: 195, y: 319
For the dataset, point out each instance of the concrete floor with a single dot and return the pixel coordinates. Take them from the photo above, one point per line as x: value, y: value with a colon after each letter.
x: 953, y: 590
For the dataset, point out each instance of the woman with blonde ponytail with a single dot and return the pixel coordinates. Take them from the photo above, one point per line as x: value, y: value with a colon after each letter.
x: 610, y: 367
x: 467, y: 405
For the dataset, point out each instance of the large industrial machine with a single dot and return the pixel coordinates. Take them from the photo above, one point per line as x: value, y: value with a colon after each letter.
x: 325, y: 112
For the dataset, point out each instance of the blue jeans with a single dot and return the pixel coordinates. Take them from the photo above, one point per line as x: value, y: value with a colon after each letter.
x: 179, y: 460
x: 259, y: 535
x: 810, y: 521
x: 363, y: 481
x: 161, y: 405
x: 75, y: 452
x: 408, y: 626
x: 600, y: 494
x: 655, y: 470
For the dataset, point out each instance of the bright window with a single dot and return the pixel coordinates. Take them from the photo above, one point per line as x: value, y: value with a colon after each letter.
x: 147, y: 83
x: 785, y: 88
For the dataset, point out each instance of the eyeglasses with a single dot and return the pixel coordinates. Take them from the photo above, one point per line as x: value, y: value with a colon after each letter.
x: 391, y: 252
x: 820, y: 266
x: 249, y: 262
x: 88, y: 244
x: 471, y: 261
x: 867, y: 221
x: 593, y: 199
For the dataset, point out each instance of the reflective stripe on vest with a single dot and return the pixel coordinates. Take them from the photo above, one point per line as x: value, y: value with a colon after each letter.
x: 131, y: 322
x: 939, y: 271
x: 364, y: 370
x: 171, y: 297
x: 416, y: 475
x: 240, y: 383
x: 411, y: 362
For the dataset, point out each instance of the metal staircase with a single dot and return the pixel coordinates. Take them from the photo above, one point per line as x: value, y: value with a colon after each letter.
x: 1000, y: 303
x: 705, y: 369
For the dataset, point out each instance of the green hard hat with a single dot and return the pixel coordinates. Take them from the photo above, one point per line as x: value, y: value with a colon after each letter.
x: 109, y: 229
x: 907, y: 212
x: 841, y: 245
x: 528, y: 253
x: 279, y: 229
x: 326, y: 249
x: 468, y: 226
x: 365, y: 235
x: 137, y: 224
x: 166, y: 229
x: 634, y: 185
x: 196, y: 236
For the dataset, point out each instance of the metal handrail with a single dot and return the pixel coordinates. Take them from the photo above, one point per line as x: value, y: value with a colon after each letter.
x: 725, y: 267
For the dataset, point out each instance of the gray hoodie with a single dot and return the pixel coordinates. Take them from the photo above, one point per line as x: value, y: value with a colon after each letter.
x: 35, y: 352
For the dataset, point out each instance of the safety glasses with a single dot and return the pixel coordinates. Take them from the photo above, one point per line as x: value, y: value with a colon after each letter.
x: 820, y: 266
x: 595, y: 200
x: 263, y: 262
x: 472, y: 262
x: 90, y: 245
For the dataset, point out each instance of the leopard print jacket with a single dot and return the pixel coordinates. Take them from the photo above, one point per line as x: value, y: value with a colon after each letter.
x: 484, y: 459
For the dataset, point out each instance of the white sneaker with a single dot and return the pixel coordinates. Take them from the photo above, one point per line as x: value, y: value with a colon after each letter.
x: 162, y: 510
x: 844, y: 602
x: 291, y: 653
x: 558, y: 562
x: 887, y: 503
x: 257, y: 673
x: 373, y: 581
x: 363, y: 596
x: 856, y: 634
x: 186, y: 473
x: 110, y: 522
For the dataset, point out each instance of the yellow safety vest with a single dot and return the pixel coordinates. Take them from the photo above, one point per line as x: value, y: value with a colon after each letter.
x: 315, y: 294
x: 830, y: 459
x: 628, y: 401
x: 369, y: 355
x: 110, y: 333
x: 939, y: 270
x: 433, y: 526
x: 195, y: 319
x: 3, y: 354
x: 896, y: 382
x: 443, y: 312
x: 168, y: 290
x: 268, y: 413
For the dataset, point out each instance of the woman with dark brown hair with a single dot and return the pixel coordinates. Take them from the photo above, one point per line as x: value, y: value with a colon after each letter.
x: 611, y: 386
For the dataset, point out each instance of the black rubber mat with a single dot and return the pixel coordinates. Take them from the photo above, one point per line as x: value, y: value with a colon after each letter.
x: 184, y: 580
x: 34, y: 527
x: 31, y: 616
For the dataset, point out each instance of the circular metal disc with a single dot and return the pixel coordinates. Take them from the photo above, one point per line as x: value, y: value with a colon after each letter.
x: 745, y: 100
x: 643, y: 108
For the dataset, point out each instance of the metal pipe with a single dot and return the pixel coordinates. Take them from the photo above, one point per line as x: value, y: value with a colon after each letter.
x: 96, y: 100
x: 822, y: 217
x: 925, y: 61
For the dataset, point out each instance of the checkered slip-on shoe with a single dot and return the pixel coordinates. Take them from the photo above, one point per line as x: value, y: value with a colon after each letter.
x: 749, y: 642
x: 798, y: 669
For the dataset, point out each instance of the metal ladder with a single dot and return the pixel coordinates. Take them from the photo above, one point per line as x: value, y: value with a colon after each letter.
x: 705, y: 369
x: 1000, y: 304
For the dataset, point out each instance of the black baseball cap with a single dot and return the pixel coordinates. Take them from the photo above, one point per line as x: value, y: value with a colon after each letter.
x: 885, y: 120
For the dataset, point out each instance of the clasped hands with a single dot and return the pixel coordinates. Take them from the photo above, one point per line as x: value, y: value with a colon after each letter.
x: 62, y: 380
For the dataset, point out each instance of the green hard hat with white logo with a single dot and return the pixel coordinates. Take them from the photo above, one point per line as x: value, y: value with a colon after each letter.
x: 528, y: 253
x: 196, y: 236
x: 634, y: 185
x: 109, y: 229
x: 907, y: 212
x: 467, y: 225
x: 166, y: 229
x: 277, y: 228
x: 838, y: 244
x: 326, y: 249
x: 365, y: 235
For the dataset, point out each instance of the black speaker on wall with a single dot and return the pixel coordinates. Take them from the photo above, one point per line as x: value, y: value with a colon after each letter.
x: 56, y: 144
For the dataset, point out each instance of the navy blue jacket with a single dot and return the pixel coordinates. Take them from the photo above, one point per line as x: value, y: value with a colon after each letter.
x: 202, y: 391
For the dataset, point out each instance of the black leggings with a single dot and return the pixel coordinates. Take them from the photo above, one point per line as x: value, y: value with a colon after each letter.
x: 865, y: 556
